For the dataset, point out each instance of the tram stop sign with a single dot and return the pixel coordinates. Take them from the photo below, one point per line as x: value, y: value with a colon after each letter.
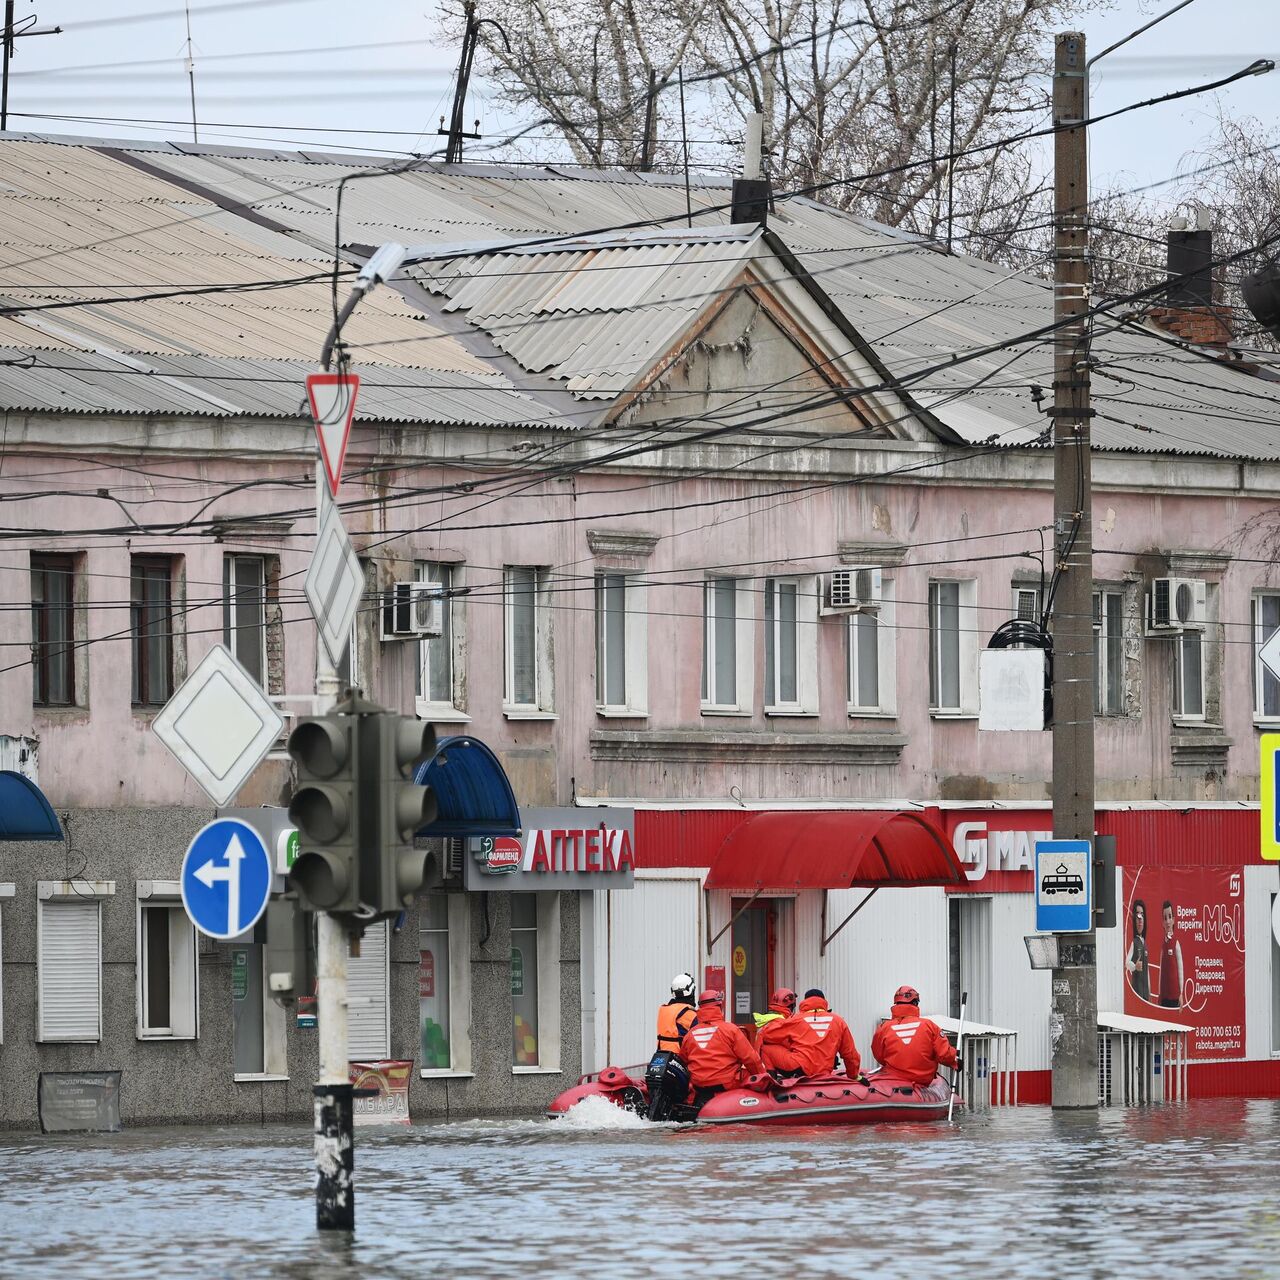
x: 1064, y: 886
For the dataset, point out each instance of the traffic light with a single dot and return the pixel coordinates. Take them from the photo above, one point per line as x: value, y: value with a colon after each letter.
x: 397, y: 871
x: 290, y: 954
x: 326, y: 810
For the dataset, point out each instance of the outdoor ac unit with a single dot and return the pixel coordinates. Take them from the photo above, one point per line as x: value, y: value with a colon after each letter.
x: 1176, y: 604
x: 412, y: 611
x: 852, y: 591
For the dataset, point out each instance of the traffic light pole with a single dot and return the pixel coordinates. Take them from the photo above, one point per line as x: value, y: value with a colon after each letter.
x: 334, y: 1131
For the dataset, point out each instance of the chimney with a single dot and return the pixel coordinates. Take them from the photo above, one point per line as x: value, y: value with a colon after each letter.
x: 751, y: 191
x: 1189, y: 312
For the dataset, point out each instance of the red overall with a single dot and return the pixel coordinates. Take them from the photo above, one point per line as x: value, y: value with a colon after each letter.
x: 911, y: 1046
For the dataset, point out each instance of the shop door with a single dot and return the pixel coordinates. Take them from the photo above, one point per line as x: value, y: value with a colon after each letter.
x: 970, y: 919
x: 754, y: 961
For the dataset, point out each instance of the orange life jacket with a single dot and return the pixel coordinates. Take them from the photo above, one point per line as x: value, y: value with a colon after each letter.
x: 674, y: 1019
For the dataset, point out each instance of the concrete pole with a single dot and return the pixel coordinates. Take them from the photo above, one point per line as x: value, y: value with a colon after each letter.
x: 1073, y: 1021
x: 334, y: 1140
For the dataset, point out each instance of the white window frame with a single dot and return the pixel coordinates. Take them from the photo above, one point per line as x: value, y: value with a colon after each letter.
x: 967, y: 648
x: 806, y: 646
x: 1102, y: 634
x: 635, y: 644
x: 1180, y: 646
x: 6, y: 891
x: 50, y: 894
x: 886, y: 702
x: 1019, y: 591
x: 543, y: 705
x: 459, y: 932
x: 184, y: 963
x: 231, y: 631
x: 452, y: 577
x: 1260, y: 674
x: 375, y: 971
x: 743, y: 624
x: 548, y: 915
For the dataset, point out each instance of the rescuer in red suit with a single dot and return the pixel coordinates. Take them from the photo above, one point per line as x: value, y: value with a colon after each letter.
x: 909, y: 1046
x: 717, y: 1053
x: 834, y: 1037
x: 787, y: 1044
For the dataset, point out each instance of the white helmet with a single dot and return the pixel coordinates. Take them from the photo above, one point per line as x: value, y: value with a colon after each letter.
x: 683, y: 986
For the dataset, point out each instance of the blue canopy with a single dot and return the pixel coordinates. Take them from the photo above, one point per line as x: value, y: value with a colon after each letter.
x: 24, y: 812
x: 472, y: 790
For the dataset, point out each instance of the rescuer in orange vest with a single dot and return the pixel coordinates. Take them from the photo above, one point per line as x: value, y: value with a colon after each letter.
x: 677, y: 1015
x: 909, y: 1046
x: 718, y: 1053
x: 788, y: 1045
x: 834, y: 1037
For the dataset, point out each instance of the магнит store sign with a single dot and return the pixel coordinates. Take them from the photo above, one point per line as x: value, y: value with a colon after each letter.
x: 998, y: 852
x: 559, y: 849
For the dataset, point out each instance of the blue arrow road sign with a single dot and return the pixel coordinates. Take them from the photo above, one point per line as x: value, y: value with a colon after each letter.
x: 226, y: 878
x: 1064, y: 886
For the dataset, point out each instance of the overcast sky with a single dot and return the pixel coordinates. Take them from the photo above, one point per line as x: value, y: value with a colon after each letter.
x: 125, y: 66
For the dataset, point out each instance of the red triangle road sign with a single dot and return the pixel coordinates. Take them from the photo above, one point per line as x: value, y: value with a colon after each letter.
x: 333, y: 404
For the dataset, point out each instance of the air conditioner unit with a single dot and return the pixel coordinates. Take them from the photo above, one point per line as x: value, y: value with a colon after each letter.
x: 1176, y: 604
x: 412, y: 611
x: 852, y: 591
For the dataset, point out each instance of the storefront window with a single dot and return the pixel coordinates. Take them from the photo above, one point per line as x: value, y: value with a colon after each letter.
x: 524, y: 979
x: 433, y: 982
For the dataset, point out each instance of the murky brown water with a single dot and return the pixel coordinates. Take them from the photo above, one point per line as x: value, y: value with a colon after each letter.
x: 1179, y: 1191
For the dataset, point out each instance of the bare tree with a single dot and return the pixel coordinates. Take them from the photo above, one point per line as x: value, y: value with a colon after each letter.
x: 847, y: 88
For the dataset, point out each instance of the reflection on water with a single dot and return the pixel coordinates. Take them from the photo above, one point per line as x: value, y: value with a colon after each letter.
x: 1019, y: 1193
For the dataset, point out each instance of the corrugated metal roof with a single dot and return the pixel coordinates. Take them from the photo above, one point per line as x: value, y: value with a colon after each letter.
x: 595, y: 318
x: 69, y: 381
x: 917, y: 307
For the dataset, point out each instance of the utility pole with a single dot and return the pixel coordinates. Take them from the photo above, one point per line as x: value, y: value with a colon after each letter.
x: 650, y: 124
x: 455, y: 132
x: 1073, y: 1019
x: 10, y: 35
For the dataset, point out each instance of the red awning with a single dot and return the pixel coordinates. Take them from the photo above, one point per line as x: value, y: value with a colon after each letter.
x: 789, y: 851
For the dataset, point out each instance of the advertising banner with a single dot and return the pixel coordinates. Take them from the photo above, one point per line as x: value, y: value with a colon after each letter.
x: 558, y: 849
x: 1184, y: 953
x: 78, y: 1101
x: 390, y: 1105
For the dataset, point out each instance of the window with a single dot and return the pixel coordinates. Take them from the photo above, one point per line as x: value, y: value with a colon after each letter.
x: 444, y: 991
x: 621, y: 645
x: 790, y: 646
x: 53, y: 655
x: 69, y: 959
x: 535, y: 981
x: 244, y: 613
x: 869, y: 653
x: 524, y: 979
x: 953, y: 653
x: 726, y: 646
x: 439, y: 663
x: 368, y: 981
x: 1108, y: 653
x: 151, y: 631
x: 1188, y: 675
x: 526, y: 610
x: 1266, y: 688
x: 166, y: 964
x: 258, y: 1034
x: 1026, y: 604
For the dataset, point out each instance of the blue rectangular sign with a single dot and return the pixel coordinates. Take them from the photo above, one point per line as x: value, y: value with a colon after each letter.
x: 1064, y: 886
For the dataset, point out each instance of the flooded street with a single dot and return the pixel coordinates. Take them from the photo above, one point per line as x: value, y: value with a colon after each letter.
x: 1019, y: 1193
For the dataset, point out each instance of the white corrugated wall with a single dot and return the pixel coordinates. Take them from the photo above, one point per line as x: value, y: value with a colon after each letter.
x: 367, y: 1020
x: 653, y: 933
x: 1021, y: 994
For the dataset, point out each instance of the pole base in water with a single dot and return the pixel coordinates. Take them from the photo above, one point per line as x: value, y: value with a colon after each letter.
x: 335, y: 1158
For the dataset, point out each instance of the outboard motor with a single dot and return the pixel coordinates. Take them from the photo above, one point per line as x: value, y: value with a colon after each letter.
x: 667, y: 1080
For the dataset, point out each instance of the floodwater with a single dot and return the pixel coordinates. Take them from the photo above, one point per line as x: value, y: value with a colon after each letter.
x: 1186, y: 1190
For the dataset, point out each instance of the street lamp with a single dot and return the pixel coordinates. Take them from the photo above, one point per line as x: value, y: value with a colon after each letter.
x: 384, y: 263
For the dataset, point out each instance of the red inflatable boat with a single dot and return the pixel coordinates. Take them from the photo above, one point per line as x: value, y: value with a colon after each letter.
x: 827, y: 1100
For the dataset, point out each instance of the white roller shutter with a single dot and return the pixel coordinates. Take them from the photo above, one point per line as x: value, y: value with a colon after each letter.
x: 70, y: 971
x: 368, y: 1037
